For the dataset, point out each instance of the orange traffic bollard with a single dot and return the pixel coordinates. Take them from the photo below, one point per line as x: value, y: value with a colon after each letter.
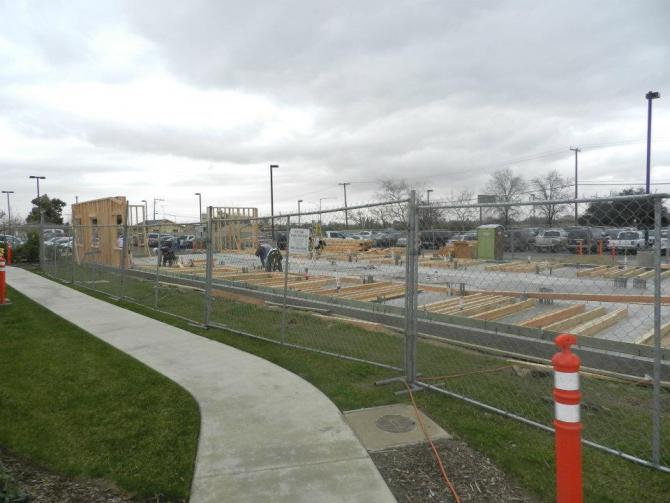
x: 600, y: 247
x: 580, y: 250
x: 3, y: 289
x: 567, y: 422
x: 9, y: 252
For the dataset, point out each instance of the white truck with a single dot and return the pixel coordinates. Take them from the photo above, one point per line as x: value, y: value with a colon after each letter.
x: 630, y: 241
x: 551, y: 240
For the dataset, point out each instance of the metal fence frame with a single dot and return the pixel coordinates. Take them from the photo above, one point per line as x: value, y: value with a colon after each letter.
x: 415, y: 326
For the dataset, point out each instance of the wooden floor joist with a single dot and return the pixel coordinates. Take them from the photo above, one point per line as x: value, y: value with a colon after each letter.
x: 366, y: 286
x: 463, y: 304
x: 451, y: 300
x: 599, y: 324
x: 387, y: 295
x: 648, y: 336
x: 576, y: 320
x: 501, y: 312
x: 374, y: 293
x: 593, y: 271
x: 554, y: 316
x: 477, y: 309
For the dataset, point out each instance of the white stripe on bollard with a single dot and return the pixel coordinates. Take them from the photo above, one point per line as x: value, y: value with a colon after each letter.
x: 566, y: 381
x: 567, y: 413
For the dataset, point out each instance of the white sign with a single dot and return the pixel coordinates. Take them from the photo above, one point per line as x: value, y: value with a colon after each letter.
x: 298, y: 241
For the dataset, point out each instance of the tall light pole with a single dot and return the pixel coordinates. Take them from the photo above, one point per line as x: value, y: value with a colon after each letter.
x: 299, y: 201
x: 146, y: 210
x: 9, y: 212
x: 272, y: 201
x: 576, y: 150
x: 156, y: 199
x: 428, y: 196
x: 346, y: 214
x: 199, y: 206
x: 37, y: 179
x: 651, y: 95
x: 321, y: 199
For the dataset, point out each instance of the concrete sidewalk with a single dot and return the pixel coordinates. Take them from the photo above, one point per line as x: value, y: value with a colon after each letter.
x: 266, y: 434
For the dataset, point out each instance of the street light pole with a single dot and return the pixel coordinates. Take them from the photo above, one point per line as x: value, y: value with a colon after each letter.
x: 272, y: 201
x: 346, y: 214
x: 576, y: 150
x: 37, y: 179
x: 321, y: 199
x: 299, y: 201
x: 651, y: 95
x: 9, y: 212
x: 156, y: 199
x: 199, y: 206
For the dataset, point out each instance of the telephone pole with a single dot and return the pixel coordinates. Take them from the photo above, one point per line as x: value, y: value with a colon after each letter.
x: 576, y: 150
x: 346, y: 215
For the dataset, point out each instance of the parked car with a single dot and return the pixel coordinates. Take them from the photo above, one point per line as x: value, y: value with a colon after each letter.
x: 15, y: 241
x: 152, y: 239
x: 632, y: 241
x: 551, y: 240
x: 585, y: 238
x: 652, y: 235
x: 186, y: 242
x: 435, y: 238
x: 334, y: 235
x: 516, y: 240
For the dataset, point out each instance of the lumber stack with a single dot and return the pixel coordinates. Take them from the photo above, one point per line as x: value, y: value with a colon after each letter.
x: 346, y: 246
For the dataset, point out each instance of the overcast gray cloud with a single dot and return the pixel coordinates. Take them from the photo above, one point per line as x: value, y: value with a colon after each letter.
x: 162, y: 99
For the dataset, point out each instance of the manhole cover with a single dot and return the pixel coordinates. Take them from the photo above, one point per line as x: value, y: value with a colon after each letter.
x: 394, y: 423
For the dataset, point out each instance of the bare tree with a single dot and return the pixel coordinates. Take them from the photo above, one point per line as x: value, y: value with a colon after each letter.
x: 551, y: 187
x: 508, y: 188
x: 462, y: 214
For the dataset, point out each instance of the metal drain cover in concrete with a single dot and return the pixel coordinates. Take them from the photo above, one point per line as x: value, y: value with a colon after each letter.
x: 394, y: 423
x: 380, y: 428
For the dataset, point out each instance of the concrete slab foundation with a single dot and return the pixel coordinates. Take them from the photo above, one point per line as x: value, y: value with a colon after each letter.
x: 389, y: 426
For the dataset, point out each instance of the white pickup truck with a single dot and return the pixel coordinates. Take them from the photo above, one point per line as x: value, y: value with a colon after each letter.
x: 629, y: 241
x: 551, y: 240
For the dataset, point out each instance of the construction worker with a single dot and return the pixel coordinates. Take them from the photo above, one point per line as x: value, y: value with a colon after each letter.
x: 271, y: 257
x: 262, y: 252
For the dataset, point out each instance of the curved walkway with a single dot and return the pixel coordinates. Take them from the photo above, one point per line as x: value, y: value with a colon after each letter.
x: 266, y: 434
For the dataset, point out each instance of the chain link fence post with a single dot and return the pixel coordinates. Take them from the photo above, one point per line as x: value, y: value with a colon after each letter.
x: 288, y: 253
x: 656, y: 423
x: 73, y: 253
x: 41, y: 243
x: 124, y: 254
x: 158, y: 264
x: 411, y: 278
x: 209, y: 264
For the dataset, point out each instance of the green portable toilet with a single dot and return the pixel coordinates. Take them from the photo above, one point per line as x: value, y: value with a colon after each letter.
x: 491, y: 241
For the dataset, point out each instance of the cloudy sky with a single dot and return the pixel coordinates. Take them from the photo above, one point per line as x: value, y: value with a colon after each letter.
x: 161, y: 99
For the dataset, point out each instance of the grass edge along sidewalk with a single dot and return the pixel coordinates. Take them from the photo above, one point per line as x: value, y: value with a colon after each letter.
x: 77, y: 406
x: 523, y: 452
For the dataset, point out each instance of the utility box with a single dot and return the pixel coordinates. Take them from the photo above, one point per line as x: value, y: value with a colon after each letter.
x: 491, y: 241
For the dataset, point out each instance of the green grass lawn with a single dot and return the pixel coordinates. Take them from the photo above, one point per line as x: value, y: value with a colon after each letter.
x: 617, y: 413
x: 77, y: 406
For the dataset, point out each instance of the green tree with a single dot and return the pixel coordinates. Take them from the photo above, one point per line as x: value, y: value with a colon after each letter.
x: 628, y: 213
x: 52, y: 208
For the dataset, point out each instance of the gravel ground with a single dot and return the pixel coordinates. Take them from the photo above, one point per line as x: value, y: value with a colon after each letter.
x: 44, y: 487
x: 414, y: 477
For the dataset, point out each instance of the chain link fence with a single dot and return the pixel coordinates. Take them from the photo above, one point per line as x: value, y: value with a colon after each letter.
x: 464, y: 300
x: 503, y: 280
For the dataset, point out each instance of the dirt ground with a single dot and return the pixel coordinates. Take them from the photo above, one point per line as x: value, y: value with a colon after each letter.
x: 414, y: 477
x: 41, y: 486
